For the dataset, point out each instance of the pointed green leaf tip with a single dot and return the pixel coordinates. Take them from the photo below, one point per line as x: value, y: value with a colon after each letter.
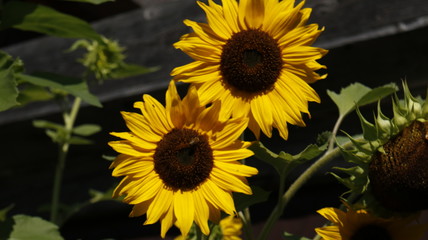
x: 34, y: 228
x: 357, y: 94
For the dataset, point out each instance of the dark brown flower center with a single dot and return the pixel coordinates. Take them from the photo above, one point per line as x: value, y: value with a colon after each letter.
x: 399, y: 176
x: 183, y: 159
x: 251, y: 61
x: 371, y: 232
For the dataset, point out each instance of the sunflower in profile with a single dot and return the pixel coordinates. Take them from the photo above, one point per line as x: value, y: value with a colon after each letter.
x: 256, y: 57
x: 180, y: 162
x: 391, y: 160
x: 361, y: 225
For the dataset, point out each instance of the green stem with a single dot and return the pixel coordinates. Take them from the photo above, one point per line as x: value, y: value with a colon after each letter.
x: 69, y: 120
x: 246, y: 221
x: 300, y: 181
x: 334, y: 132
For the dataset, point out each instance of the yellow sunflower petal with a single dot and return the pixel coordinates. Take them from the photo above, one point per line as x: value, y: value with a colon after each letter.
x: 201, y: 213
x: 262, y: 112
x: 218, y: 197
x: 230, y: 11
x: 334, y: 215
x: 329, y: 233
x: 216, y: 21
x: 205, y: 32
x: 156, y: 115
x: 233, y: 183
x: 145, y: 190
x: 167, y: 221
x: 251, y: 13
x: 236, y: 168
x: 138, y: 125
x: 140, y: 209
x: 184, y: 210
x: 232, y: 155
x: 135, y: 167
x: 159, y: 206
x: 230, y: 133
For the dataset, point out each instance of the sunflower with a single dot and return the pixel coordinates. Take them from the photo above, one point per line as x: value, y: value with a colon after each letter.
x: 180, y: 162
x: 391, y: 161
x: 231, y: 228
x: 256, y: 57
x: 361, y: 225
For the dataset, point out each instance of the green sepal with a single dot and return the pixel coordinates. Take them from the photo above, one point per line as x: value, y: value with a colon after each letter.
x: 369, y: 130
x: 357, y: 181
x: 360, y: 144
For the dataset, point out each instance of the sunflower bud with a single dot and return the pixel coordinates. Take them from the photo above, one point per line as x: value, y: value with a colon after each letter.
x: 399, y: 174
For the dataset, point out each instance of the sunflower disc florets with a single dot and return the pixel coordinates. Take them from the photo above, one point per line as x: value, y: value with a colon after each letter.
x: 392, y: 158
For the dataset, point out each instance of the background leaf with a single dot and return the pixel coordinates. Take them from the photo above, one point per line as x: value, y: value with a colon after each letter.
x: 42, y: 19
x: 96, y: 2
x: 289, y: 236
x: 32, y: 93
x: 86, y: 129
x: 130, y: 70
x: 8, y: 84
x: 75, y: 86
x: 33, y: 228
x: 357, y: 94
x: 243, y: 201
x: 4, y: 211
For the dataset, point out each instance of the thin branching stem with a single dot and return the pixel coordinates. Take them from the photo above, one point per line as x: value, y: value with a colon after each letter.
x: 69, y: 119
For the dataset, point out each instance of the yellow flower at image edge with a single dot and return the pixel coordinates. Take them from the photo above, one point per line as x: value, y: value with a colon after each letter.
x: 180, y: 162
x: 256, y: 57
x: 361, y: 225
x: 231, y: 228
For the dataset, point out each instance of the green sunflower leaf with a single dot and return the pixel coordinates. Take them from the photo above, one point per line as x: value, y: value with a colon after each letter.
x: 8, y: 82
x: 243, y: 201
x: 28, y: 16
x: 34, y: 228
x: 357, y: 94
x: 284, y: 162
x: 75, y: 86
x: 32, y: 93
x: 86, y: 129
x: 289, y: 236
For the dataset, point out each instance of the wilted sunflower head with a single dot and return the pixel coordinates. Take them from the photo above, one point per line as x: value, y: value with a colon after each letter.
x: 392, y: 158
x: 256, y: 57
